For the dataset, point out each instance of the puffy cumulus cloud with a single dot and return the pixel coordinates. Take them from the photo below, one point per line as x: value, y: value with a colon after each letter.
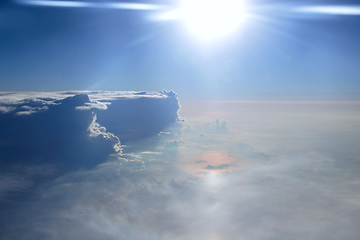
x: 13, y: 101
x: 141, y: 116
x: 46, y: 124
x: 97, y: 130
x: 55, y: 133
x: 62, y: 130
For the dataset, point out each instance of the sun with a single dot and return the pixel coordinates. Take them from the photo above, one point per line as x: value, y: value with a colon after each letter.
x: 212, y: 19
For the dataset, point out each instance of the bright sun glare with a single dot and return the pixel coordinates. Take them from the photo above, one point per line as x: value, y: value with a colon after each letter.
x: 212, y: 19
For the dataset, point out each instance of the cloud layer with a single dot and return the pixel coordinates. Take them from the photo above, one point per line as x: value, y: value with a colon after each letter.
x: 271, y: 172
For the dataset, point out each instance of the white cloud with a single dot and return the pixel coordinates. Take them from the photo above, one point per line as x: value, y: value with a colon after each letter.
x: 98, y: 99
x: 96, y: 130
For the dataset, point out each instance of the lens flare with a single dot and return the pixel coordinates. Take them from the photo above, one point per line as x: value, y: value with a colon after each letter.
x: 211, y: 19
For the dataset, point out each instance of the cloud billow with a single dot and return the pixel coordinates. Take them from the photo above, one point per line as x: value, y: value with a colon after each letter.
x: 136, y: 119
x: 63, y: 132
x: 57, y: 135
x: 46, y: 135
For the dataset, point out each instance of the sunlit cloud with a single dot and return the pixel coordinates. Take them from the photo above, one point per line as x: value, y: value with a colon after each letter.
x: 213, y: 162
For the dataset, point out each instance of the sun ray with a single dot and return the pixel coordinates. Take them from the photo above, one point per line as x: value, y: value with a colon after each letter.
x: 79, y: 4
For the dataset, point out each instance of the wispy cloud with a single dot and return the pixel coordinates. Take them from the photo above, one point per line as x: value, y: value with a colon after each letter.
x: 333, y: 10
x: 78, y: 4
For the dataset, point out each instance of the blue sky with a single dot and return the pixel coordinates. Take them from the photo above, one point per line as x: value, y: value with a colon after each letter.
x: 51, y: 49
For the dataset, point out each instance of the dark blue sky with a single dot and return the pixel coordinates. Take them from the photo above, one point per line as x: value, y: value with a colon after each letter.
x: 51, y: 49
